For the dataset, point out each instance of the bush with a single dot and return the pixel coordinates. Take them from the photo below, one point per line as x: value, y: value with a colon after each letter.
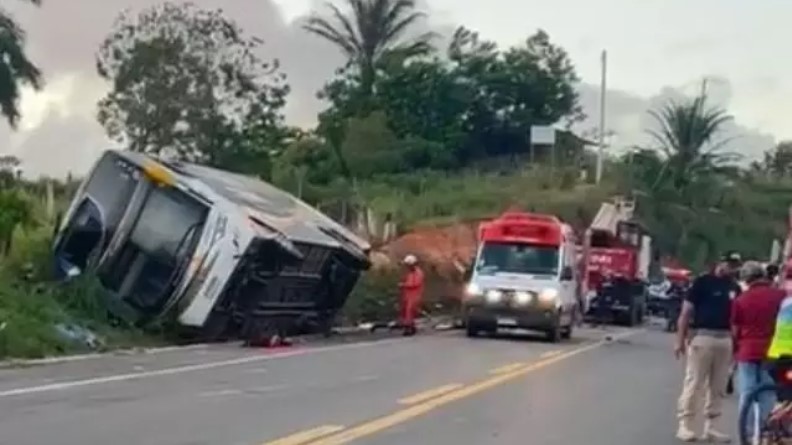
x: 375, y: 298
x: 27, y: 321
x: 33, y: 306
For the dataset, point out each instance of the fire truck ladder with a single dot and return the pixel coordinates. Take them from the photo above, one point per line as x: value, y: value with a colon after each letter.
x: 611, y: 213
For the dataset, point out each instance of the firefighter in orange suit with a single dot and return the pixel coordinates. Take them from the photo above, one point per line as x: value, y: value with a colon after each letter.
x: 412, y: 287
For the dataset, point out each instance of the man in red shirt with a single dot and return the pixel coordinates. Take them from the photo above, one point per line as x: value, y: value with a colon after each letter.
x: 412, y: 287
x: 753, y: 318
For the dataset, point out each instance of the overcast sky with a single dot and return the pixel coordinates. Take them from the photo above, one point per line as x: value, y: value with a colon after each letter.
x: 657, y: 49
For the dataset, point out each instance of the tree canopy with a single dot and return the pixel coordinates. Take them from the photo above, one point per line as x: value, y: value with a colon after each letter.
x: 187, y: 83
x: 16, y: 69
x: 371, y: 31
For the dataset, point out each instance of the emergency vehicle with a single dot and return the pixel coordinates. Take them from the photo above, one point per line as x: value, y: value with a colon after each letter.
x: 523, y: 277
x: 615, y: 265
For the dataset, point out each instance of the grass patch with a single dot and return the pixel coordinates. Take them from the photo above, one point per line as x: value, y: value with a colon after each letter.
x: 34, y: 309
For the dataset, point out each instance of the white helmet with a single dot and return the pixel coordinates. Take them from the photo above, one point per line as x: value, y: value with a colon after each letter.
x: 410, y: 260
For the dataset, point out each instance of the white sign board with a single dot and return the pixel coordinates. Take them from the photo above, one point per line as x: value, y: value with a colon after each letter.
x: 543, y: 135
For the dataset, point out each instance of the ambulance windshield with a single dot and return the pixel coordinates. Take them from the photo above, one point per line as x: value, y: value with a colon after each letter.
x: 517, y: 258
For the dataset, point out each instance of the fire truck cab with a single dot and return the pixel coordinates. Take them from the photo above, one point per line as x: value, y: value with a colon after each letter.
x: 615, y: 273
x: 523, y: 277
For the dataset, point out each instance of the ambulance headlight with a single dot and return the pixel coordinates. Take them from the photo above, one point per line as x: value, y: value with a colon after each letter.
x: 472, y: 290
x: 548, y: 295
x: 522, y: 297
x: 494, y: 296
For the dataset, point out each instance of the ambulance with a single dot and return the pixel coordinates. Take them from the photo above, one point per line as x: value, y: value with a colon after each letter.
x: 524, y: 277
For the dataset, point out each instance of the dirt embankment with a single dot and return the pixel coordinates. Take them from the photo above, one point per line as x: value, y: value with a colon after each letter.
x: 443, y: 252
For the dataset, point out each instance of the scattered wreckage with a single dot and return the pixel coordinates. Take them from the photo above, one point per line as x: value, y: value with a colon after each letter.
x: 224, y: 255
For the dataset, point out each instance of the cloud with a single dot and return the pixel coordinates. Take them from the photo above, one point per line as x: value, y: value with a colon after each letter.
x: 63, y: 38
x: 59, y: 132
x: 627, y: 116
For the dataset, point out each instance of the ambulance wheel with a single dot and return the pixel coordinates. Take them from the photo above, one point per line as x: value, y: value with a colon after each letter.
x: 554, y: 334
x: 566, y: 333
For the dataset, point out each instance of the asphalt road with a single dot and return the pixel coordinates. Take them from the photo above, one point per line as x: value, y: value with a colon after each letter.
x: 437, y: 389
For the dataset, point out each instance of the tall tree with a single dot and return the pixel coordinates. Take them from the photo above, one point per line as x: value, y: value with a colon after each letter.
x: 688, y: 135
x: 15, y: 67
x: 530, y: 84
x: 372, y: 30
x: 186, y: 82
x: 778, y: 161
x: 478, y: 102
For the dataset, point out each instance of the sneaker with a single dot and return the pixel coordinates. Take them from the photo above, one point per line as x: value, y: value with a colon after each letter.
x: 685, y: 434
x: 713, y: 435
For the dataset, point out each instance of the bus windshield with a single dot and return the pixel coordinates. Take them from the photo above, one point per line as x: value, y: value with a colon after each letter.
x: 517, y: 258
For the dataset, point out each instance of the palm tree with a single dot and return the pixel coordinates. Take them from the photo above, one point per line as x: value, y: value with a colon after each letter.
x: 688, y: 137
x: 15, y: 68
x: 373, y: 30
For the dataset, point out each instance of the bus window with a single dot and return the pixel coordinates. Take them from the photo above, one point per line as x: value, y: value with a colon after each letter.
x: 162, y: 240
x: 82, y: 238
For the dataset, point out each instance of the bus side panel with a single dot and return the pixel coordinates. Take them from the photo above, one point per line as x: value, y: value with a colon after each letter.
x: 229, y: 236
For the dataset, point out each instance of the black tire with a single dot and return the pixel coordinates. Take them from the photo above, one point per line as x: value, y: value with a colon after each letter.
x: 752, y: 397
x: 632, y: 317
x: 471, y: 329
x: 566, y: 333
x: 554, y: 334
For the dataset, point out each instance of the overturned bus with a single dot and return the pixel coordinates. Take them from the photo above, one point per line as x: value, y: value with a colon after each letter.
x: 225, y: 255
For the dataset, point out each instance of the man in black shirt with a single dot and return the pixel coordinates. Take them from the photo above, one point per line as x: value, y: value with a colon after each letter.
x: 703, y: 335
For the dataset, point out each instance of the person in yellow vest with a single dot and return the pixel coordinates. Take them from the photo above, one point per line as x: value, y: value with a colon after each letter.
x: 781, y: 344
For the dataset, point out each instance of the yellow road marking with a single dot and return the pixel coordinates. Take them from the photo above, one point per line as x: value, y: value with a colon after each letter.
x: 549, y: 354
x: 430, y: 394
x: 507, y: 368
x: 374, y: 426
x: 303, y: 437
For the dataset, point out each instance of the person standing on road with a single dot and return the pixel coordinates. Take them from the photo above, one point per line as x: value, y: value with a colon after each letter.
x: 753, y: 319
x: 411, y: 286
x: 708, y: 347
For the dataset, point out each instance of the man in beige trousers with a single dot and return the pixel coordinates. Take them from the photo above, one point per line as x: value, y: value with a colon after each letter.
x: 704, y: 336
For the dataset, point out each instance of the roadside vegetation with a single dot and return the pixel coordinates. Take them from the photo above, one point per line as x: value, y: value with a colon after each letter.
x: 415, y: 132
x: 39, y: 317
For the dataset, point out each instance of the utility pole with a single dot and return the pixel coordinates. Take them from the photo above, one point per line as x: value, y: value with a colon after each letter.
x: 603, y: 85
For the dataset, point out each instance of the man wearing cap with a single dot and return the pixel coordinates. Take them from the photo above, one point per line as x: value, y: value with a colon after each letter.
x: 411, y: 287
x: 704, y: 337
x: 753, y: 318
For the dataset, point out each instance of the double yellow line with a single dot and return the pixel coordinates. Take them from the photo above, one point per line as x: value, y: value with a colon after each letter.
x: 430, y: 400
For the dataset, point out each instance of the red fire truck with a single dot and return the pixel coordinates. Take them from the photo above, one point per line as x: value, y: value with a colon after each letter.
x: 615, y: 262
